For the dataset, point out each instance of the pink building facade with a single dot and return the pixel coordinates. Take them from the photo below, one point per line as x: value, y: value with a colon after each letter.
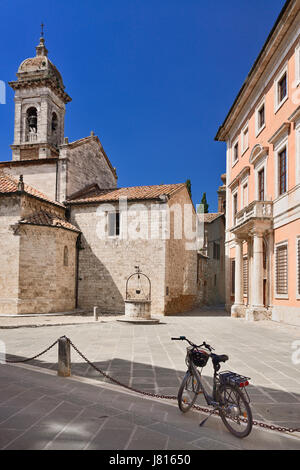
x: 262, y: 134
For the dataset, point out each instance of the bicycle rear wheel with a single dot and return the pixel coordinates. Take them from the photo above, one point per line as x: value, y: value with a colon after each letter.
x: 188, y: 392
x: 235, y: 412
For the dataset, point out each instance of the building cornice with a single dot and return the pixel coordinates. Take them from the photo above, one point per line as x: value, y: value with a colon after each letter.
x: 295, y: 116
x: 41, y: 82
x: 283, y: 23
x: 283, y: 129
x: 244, y: 172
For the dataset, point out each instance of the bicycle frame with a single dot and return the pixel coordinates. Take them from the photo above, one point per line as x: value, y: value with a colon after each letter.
x: 210, y: 399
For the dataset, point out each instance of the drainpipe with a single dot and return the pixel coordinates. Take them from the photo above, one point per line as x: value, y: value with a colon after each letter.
x: 78, y: 247
x: 56, y: 183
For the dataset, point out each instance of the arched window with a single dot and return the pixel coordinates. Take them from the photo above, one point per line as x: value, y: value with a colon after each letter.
x: 66, y: 256
x: 31, y: 124
x: 54, y: 122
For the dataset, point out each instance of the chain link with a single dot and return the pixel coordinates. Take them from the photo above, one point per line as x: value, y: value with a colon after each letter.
x: 171, y: 397
x: 34, y: 357
x: 149, y: 394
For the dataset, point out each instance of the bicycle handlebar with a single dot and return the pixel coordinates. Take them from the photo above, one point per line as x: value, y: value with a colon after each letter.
x: 183, y: 338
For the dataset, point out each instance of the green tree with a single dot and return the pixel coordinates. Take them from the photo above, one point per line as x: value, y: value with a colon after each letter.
x: 204, y: 202
x: 189, y: 187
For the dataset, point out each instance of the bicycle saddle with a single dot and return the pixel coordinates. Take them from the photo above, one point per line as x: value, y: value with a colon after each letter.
x: 222, y: 358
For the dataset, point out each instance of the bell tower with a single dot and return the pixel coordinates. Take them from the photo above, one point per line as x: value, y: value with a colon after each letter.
x: 40, y: 100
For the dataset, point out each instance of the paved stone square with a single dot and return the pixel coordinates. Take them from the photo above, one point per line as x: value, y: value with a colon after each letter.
x: 144, y: 357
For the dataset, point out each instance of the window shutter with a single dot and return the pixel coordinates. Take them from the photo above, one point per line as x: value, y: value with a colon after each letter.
x: 281, y: 270
x: 233, y: 277
x: 245, y: 276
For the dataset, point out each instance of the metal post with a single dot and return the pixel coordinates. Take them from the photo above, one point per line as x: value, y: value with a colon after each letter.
x: 64, y: 357
x: 96, y: 313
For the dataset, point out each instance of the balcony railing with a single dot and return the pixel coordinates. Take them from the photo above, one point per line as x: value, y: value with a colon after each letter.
x: 256, y: 209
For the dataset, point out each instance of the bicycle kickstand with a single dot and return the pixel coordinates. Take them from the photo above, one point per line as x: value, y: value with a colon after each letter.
x: 204, y: 421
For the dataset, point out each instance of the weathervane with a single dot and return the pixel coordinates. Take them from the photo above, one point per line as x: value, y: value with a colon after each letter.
x: 42, y: 32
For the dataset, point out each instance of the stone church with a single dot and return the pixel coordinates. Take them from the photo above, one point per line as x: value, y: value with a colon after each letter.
x: 54, y: 196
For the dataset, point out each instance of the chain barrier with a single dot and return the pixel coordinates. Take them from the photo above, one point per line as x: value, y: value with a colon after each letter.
x: 171, y: 397
x: 34, y: 357
x: 154, y: 395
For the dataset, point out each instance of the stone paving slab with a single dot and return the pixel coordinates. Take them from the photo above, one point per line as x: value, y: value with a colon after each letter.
x: 146, y: 358
x: 23, y: 321
x: 109, y: 419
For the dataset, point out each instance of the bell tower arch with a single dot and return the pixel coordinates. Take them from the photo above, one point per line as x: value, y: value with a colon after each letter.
x: 40, y: 101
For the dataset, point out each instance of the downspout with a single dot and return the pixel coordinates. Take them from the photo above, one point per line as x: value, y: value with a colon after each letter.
x: 56, y: 182
x: 78, y: 247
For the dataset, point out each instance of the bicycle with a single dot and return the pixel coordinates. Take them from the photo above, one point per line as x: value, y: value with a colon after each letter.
x: 229, y: 394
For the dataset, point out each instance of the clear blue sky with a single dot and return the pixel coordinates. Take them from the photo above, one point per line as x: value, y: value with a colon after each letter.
x: 154, y: 79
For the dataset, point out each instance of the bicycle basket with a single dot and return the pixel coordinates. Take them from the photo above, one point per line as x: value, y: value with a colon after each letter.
x: 200, y: 357
x: 231, y: 378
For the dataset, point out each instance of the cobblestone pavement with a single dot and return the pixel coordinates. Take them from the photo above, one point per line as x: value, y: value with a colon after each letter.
x: 145, y: 358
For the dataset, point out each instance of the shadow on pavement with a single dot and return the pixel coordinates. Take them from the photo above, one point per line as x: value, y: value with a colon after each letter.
x: 275, y: 406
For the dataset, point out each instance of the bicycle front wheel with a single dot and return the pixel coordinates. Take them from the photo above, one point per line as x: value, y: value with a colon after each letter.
x: 235, y: 411
x: 188, y: 392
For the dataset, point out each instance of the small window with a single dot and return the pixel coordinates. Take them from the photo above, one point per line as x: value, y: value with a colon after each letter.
x: 54, y: 122
x: 261, y: 185
x: 114, y: 224
x: 282, y: 270
x: 261, y: 117
x: 66, y: 256
x: 245, y: 195
x: 235, y: 206
x: 245, y: 139
x: 236, y: 152
x: 282, y: 88
x: 216, y: 250
x: 282, y: 171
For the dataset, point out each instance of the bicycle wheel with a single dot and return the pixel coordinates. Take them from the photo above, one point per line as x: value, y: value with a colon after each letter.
x: 235, y: 411
x: 188, y: 392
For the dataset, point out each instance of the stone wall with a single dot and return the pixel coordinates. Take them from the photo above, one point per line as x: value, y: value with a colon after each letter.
x: 30, y: 205
x: 106, y: 262
x: 46, y: 284
x: 41, y: 177
x: 181, y: 255
x: 9, y: 254
x: 86, y: 164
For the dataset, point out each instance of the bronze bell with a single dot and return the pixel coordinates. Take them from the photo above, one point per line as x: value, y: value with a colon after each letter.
x: 32, y: 121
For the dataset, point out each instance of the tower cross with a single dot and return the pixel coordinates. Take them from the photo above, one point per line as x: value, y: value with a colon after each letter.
x: 42, y: 32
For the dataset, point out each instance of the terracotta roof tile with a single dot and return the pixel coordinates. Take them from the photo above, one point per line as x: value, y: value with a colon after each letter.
x: 210, y: 217
x: 132, y: 193
x: 8, y: 184
x: 47, y: 219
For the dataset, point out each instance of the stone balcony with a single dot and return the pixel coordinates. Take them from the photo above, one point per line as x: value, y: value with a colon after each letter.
x: 257, y: 215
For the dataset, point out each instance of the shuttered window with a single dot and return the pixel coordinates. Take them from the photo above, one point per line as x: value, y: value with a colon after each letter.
x: 245, y: 276
x: 233, y: 277
x: 281, y: 270
x: 113, y: 224
x: 261, y: 185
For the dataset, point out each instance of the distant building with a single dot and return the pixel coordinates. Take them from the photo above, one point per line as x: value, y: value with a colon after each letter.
x: 211, y: 254
x: 262, y: 133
